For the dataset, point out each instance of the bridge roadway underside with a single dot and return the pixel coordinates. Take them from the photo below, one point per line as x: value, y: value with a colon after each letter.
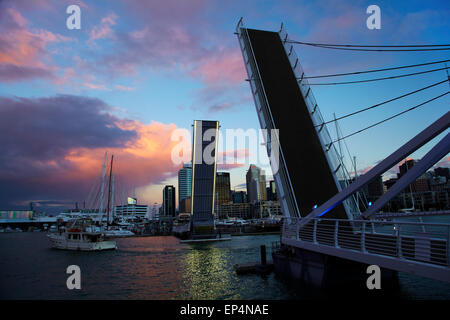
x: 309, y: 171
x: 324, y: 271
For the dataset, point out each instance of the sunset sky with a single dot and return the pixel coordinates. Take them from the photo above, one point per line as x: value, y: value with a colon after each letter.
x: 137, y: 70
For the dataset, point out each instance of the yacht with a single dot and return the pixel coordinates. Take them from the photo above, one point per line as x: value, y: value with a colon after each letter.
x: 117, y: 232
x: 81, y: 234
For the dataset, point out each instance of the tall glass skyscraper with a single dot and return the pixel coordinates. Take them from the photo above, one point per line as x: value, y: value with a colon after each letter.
x: 223, y: 190
x: 169, y: 201
x: 204, y: 159
x: 184, y: 185
x: 256, y: 184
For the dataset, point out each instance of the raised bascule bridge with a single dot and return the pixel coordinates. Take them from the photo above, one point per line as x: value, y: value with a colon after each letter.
x: 326, y: 238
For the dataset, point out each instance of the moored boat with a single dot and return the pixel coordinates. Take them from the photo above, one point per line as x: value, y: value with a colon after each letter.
x: 82, y: 235
x: 118, y: 232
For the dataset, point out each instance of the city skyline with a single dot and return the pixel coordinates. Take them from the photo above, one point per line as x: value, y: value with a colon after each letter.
x: 67, y: 96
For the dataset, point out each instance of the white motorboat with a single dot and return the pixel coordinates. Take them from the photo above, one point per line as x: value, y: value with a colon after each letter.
x: 82, y: 235
x: 117, y: 233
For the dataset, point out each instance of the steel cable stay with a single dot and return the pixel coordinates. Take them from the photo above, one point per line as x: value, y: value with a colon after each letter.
x: 368, y: 45
x: 371, y: 48
x: 379, y: 79
x: 382, y: 103
x: 391, y: 117
x: 374, y: 70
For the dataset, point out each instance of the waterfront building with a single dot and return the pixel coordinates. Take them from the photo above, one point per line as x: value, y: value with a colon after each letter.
x: 443, y: 172
x: 169, y: 201
x: 204, y: 160
x: 256, y: 184
x: 239, y: 197
x: 272, y: 191
x: 184, y: 185
x: 131, y: 210
x: 185, y: 205
x: 420, y: 184
x: 405, y: 166
x: 266, y: 209
x: 16, y: 214
x: 223, y: 190
x: 389, y: 183
x: 234, y: 210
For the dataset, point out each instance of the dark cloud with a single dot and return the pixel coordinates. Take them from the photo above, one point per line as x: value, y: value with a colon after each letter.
x: 37, y: 134
x: 13, y: 73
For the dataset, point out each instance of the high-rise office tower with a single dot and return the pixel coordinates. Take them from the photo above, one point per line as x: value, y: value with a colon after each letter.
x: 223, y: 190
x: 184, y: 186
x: 169, y: 201
x: 239, y: 197
x: 204, y: 159
x: 272, y: 191
x: 256, y: 184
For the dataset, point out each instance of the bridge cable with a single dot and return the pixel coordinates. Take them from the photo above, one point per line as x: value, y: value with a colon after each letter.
x: 377, y: 79
x: 370, y: 46
x: 392, y: 117
x: 375, y: 70
x: 382, y: 103
x: 429, y: 47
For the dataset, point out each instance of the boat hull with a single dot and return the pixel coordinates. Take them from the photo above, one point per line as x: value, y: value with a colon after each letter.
x: 62, y: 243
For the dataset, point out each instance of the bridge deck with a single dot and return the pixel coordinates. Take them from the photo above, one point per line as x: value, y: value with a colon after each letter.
x: 418, y: 248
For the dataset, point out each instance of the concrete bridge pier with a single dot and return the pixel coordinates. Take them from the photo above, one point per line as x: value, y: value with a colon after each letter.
x: 324, y: 271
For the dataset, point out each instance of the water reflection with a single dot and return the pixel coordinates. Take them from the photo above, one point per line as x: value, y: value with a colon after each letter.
x: 155, y: 268
x: 207, y: 272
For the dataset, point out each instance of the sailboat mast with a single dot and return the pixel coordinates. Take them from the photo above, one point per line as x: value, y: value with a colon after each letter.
x: 109, y: 188
x: 112, y: 199
x: 102, y: 193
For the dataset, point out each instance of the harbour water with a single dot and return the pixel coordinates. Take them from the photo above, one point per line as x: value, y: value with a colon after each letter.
x: 159, y: 268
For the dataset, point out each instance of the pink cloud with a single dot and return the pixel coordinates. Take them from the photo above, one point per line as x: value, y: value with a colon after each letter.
x: 95, y: 86
x: 225, y: 66
x: 123, y: 88
x: 221, y: 107
x: 23, y: 53
x: 230, y: 166
x: 103, y: 30
x: 238, y: 153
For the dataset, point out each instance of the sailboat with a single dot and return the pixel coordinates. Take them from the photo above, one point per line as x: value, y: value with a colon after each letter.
x: 109, y: 230
x: 82, y: 233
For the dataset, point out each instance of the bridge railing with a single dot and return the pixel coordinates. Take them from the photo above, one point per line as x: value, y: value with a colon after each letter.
x: 420, y: 242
